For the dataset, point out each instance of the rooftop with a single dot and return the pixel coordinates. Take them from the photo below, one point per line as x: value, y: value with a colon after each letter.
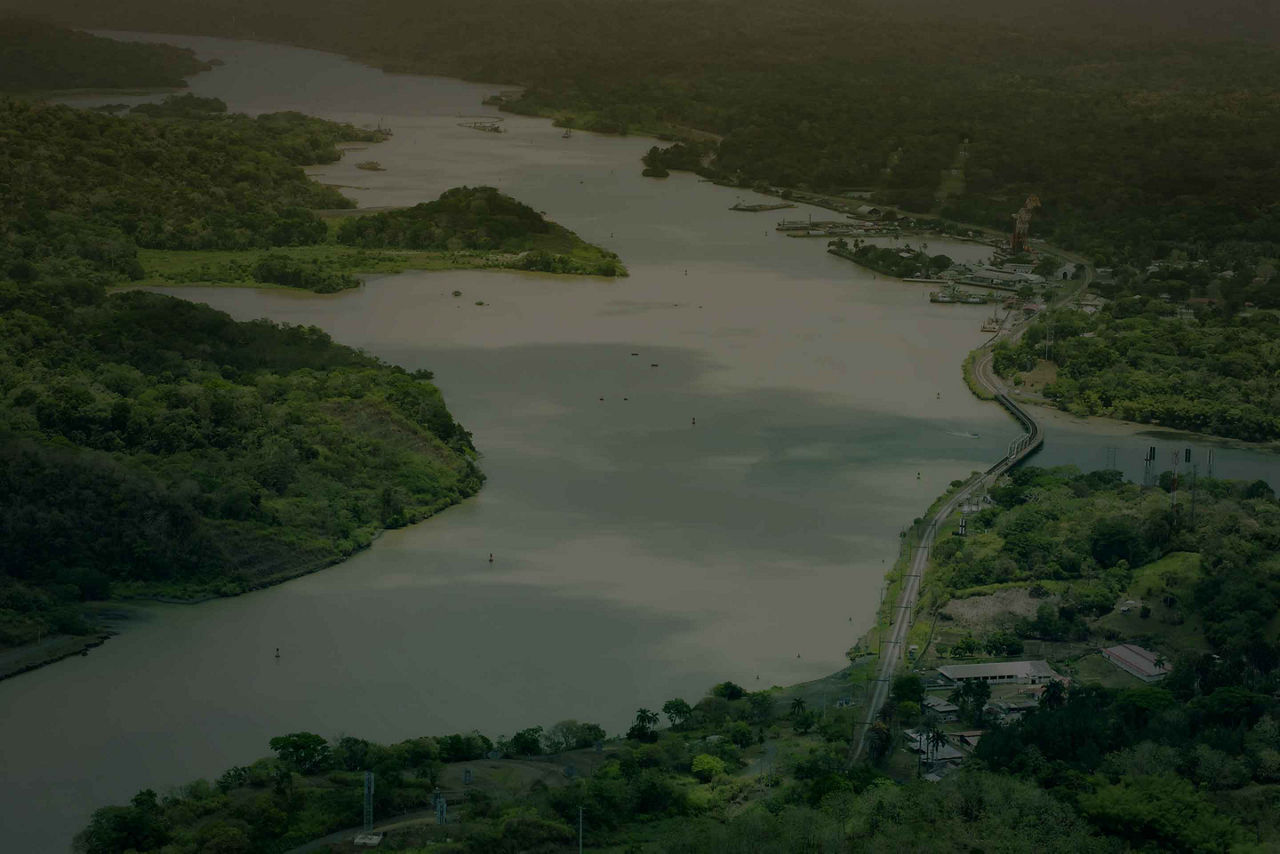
x: 1006, y: 669
x: 1137, y: 659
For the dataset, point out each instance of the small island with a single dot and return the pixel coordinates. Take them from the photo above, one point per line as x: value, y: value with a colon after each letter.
x: 167, y: 196
x: 479, y: 226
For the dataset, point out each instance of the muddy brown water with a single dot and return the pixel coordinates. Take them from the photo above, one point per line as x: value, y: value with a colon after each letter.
x: 638, y: 556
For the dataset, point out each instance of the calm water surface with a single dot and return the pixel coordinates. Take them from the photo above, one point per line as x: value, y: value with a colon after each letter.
x: 638, y: 555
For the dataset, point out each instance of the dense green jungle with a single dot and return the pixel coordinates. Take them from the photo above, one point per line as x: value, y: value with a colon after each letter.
x: 1146, y: 129
x: 1209, y: 365
x: 1190, y: 764
x: 37, y: 56
x: 152, y: 447
x: 156, y: 448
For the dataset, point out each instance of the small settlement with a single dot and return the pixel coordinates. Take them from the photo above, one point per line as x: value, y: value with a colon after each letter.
x: 949, y: 730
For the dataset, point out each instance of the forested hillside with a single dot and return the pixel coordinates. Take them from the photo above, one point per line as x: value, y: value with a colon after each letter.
x: 36, y: 56
x: 153, y: 446
x: 481, y: 219
x: 88, y: 189
x: 185, y: 176
x: 1138, y: 124
x: 1214, y: 370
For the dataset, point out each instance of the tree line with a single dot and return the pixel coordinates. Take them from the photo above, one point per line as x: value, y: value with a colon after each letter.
x: 155, y: 446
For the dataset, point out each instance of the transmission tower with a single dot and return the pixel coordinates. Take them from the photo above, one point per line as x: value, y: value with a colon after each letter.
x: 368, y: 801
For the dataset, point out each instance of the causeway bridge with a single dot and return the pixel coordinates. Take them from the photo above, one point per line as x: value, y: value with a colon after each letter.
x: 1028, y: 443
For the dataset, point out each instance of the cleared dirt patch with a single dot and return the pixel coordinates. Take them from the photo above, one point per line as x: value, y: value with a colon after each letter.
x: 984, y: 612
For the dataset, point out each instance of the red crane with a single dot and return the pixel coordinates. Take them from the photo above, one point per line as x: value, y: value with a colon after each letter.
x: 1022, y: 222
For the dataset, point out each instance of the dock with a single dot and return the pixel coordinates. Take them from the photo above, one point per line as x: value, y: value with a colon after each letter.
x: 487, y: 125
x: 761, y: 208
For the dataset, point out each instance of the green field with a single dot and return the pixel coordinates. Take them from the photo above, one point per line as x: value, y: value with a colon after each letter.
x: 167, y: 267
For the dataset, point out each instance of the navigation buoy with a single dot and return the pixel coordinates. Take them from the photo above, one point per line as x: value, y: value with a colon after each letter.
x: 692, y: 422
x: 490, y: 557
x: 917, y: 475
x: 277, y: 652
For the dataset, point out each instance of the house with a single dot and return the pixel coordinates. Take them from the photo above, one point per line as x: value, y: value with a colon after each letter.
x: 918, y: 742
x: 868, y: 212
x: 944, y: 709
x: 1143, y: 663
x: 999, y: 672
x: 968, y: 739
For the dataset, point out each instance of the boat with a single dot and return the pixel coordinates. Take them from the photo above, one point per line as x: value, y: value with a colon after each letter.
x: 758, y: 208
x: 567, y: 133
x: 488, y: 125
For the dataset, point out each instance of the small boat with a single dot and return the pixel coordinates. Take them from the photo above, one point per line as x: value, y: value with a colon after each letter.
x: 567, y: 133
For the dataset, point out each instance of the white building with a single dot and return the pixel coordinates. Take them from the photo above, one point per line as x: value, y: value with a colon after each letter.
x: 1143, y: 663
x: 999, y: 672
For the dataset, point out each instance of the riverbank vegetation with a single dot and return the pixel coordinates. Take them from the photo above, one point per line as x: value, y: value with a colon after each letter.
x: 483, y: 222
x: 183, y: 191
x: 39, y: 57
x: 87, y: 189
x: 1061, y: 563
x: 901, y: 262
x: 1107, y: 763
x: 706, y: 784
x: 779, y: 101
x: 1206, y: 369
x: 1146, y: 95
x: 154, y: 447
x: 1079, y: 542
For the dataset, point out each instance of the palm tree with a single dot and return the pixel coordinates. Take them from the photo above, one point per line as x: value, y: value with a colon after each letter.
x: 879, y: 739
x: 797, y: 707
x: 1054, y: 695
x: 935, y: 738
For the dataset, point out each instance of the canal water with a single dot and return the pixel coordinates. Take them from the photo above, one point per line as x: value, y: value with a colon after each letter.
x: 696, y: 473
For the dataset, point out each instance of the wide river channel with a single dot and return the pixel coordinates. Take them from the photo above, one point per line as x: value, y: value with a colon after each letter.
x: 638, y: 556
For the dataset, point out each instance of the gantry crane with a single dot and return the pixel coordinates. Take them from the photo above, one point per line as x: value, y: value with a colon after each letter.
x: 1021, y: 223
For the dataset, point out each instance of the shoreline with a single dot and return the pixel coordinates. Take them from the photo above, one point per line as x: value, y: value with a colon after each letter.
x: 896, y: 570
x: 110, y: 621
x: 28, y: 657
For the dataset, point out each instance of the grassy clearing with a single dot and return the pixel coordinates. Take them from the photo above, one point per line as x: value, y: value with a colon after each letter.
x: 1165, y: 587
x: 976, y: 388
x: 234, y: 268
x: 1040, y: 376
x: 1096, y: 670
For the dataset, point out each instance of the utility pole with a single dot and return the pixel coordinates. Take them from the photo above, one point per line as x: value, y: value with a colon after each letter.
x: 1194, y: 470
x: 368, y: 801
x: 579, y: 830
